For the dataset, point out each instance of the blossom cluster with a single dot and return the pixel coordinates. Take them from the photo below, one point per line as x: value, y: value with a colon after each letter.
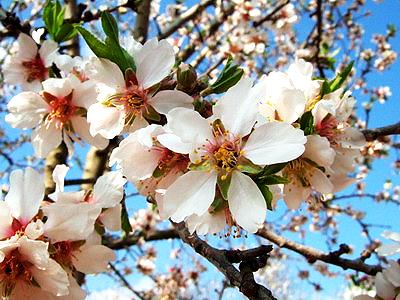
x: 43, y: 243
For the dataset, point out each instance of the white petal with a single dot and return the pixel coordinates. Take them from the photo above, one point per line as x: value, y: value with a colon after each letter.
x: 26, y: 110
x: 319, y: 150
x: 59, y: 173
x: 384, y: 288
x: 189, y: 126
x: 246, y: 202
x: 238, y: 108
x: 85, y: 94
x: 108, y: 190
x: 58, y: 87
x: 351, y: 138
x: 106, y: 121
x: 273, y: 143
x: 81, y: 127
x: 395, y: 236
x: 392, y: 273
x: 25, y: 194
x: 34, y: 251
x: 92, y: 259
x: 174, y: 143
x: 34, y: 229
x: 48, y: 52
x: 53, y: 279
x: 291, y: 105
x: 27, y: 48
x: 190, y: 194
x: 105, y: 71
x: 111, y: 218
x: 156, y: 65
x: 5, y: 220
x: 321, y: 182
x: 164, y: 101
x: 387, y: 250
x: 45, y: 138
x: 294, y: 195
x: 206, y: 223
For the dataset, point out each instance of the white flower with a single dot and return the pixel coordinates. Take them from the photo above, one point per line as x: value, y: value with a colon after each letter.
x: 218, y: 148
x: 29, y: 67
x: 125, y: 102
x: 387, y: 250
x: 56, y: 114
x: 305, y: 174
x: 22, y: 201
x: 286, y: 95
x: 73, y: 215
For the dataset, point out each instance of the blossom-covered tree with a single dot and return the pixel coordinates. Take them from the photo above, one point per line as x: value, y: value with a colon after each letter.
x: 245, y: 136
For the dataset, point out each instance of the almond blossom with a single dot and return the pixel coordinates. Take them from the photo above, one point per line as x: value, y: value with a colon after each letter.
x: 56, y: 114
x: 390, y: 249
x: 127, y: 101
x: 29, y: 66
x: 220, y: 149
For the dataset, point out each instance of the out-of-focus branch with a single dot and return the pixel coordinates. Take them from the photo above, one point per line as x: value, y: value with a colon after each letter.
x: 313, y: 255
x: 133, y: 239
x: 142, y: 21
x: 270, y: 16
x: 124, y: 281
x: 185, y: 17
x: 250, y: 261
x: 374, y: 134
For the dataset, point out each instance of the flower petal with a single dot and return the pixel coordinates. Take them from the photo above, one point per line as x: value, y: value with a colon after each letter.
x: 246, y: 202
x: 319, y: 150
x: 192, y: 193
x: 391, y: 235
x: 25, y: 194
x: 108, y: 190
x: 45, y: 138
x: 206, y: 223
x: 34, y: 252
x: 111, y: 218
x: 273, y: 143
x: 81, y: 128
x: 106, y: 121
x: 58, y: 87
x: 48, y: 52
x: 165, y: 101
x: 105, y: 71
x: 92, y: 259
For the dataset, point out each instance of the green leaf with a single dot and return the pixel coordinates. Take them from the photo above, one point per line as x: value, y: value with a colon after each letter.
x: 268, y: 196
x: 125, y: 224
x: 97, y: 46
x: 224, y: 181
x: 246, y: 166
x: 273, y: 179
x: 65, y: 33
x: 202, y: 166
x: 218, y: 204
x: 151, y: 114
x: 272, y: 169
x: 341, y: 77
x: 157, y: 173
x: 307, y: 123
x: 230, y: 75
x: 53, y: 17
x: 110, y: 26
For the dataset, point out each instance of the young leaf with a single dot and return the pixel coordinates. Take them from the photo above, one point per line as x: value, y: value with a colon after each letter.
x: 341, y: 77
x: 273, y: 179
x: 272, y: 169
x: 97, y: 46
x: 307, y: 123
x: 65, y: 33
x: 246, y: 166
x: 110, y: 26
x: 267, y: 195
x: 125, y: 224
x: 224, y: 181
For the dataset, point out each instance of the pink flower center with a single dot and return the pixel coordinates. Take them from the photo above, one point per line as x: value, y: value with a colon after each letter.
x: 170, y: 160
x: 35, y: 69
x: 63, y: 252
x: 328, y: 128
x: 16, y: 226
x: 13, y: 268
x: 62, y: 108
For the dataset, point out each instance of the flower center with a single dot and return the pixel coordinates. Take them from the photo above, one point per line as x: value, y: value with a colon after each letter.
x: 226, y: 156
x: 328, y: 128
x: 11, y: 270
x: 35, y: 69
x: 62, y: 108
x: 62, y: 252
x: 298, y: 172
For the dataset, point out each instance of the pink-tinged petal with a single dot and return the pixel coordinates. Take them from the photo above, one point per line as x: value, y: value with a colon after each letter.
x: 45, y: 138
x: 92, y: 259
x: 108, y: 190
x: 53, y: 279
x: 321, y: 182
x: 351, y: 138
x: 165, y: 101
x: 391, y: 235
x: 106, y: 121
x: 246, y: 202
x: 59, y: 173
x: 206, y: 223
x: 155, y: 65
x: 138, y: 123
x: 105, y: 71
x: 111, y: 218
x: 58, y: 87
x: 25, y: 194
x: 5, y: 220
x: 81, y: 128
x: 27, y: 48
x: 384, y: 288
x: 318, y: 149
x: 273, y: 143
x: 294, y: 195
x: 34, y: 252
x: 189, y: 126
x: 27, y: 109
x: 48, y: 52
x: 174, y: 143
x: 238, y: 108
x: 7, y: 246
x: 392, y: 273
x: 34, y: 229
x: 192, y: 193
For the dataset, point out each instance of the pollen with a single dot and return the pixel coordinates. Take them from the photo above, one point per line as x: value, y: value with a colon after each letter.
x: 62, y: 108
x: 35, y: 69
x: 226, y: 157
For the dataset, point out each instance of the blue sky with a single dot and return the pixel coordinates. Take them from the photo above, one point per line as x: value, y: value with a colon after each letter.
x: 382, y: 14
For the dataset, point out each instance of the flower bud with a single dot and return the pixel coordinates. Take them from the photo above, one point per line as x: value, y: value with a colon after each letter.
x: 187, y: 78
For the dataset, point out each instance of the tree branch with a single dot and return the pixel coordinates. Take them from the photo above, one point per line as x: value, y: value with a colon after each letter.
x: 374, y: 134
x: 269, y: 16
x: 224, y: 259
x: 313, y: 255
x: 142, y: 21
